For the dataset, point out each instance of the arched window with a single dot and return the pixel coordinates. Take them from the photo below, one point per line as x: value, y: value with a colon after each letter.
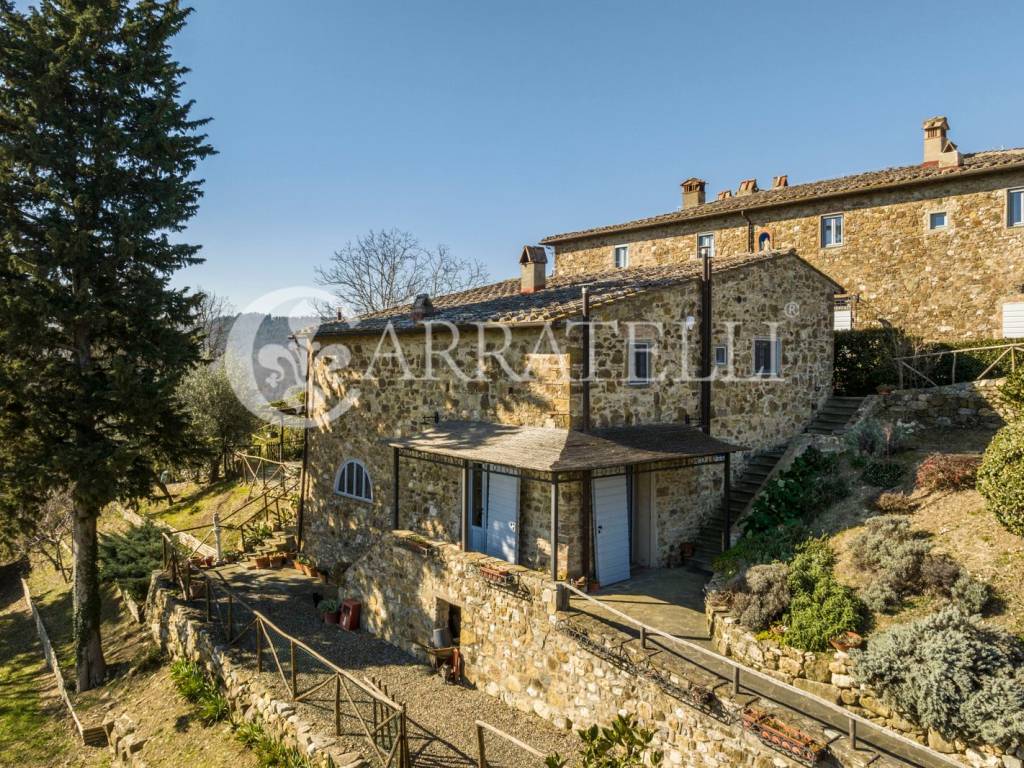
x: 354, y: 481
x: 764, y: 242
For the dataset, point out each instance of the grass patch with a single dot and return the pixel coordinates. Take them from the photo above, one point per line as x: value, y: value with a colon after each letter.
x: 269, y: 752
x: 208, y: 703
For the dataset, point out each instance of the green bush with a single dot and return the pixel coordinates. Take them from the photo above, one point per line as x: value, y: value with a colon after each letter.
x: 777, y: 544
x: 1011, y: 393
x: 881, y: 439
x: 864, y: 359
x: 894, y: 555
x: 1001, y: 476
x: 796, y: 494
x: 192, y: 685
x: 882, y: 474
x: 760, y: 595
x: 130, y: 558
x: 623, y: 744
x: 949, y: 673
x: 821, y: 607
x: 969, y: 594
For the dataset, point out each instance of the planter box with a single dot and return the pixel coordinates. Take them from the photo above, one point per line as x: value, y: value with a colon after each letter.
x: 415, y: 545
x: 785, y: 738
x: 494, y: 575
x: 262, y: 561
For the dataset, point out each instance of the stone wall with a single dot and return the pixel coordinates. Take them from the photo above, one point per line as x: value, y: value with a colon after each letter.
x: 973, y: 404
x: 516, y: 648
x: 831, y: 676
x: 175, y: 631
x: 937, y: 284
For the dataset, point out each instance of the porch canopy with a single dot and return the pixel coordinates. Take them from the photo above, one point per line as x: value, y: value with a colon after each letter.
x: 559, y: 455
x: 555, y: 452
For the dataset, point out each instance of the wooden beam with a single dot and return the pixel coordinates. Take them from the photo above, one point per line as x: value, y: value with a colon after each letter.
x: 554, y: 530
x: 395, y: 490
x: 465, y: 505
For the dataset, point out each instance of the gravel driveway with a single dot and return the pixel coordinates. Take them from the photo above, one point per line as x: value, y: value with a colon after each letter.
x: 441, y: 717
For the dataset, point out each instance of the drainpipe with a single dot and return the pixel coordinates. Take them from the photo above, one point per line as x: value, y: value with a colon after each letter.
x: 705, y: 344
x: 586, y: 490
x: 300, y: 517
x: 585, y: 392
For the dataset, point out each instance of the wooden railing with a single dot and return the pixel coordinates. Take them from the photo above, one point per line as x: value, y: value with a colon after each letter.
x: 384, y: 726
x: 482, y: 728
x: 742, y: 678
x: 908, y: 367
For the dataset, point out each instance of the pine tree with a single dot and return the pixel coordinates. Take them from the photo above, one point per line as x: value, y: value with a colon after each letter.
x: 97, y: 155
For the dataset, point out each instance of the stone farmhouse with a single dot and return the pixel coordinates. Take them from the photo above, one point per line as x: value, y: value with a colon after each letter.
x: 592, y: 464
x: 934, y: 249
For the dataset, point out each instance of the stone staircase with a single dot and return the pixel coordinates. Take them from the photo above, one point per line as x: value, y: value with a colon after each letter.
x: 280, y: 542
x: 834, y: 417
x: 743, y: 491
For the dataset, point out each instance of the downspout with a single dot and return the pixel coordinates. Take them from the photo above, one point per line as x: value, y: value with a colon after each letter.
x: 705, y: 344
x: 585, y: 391
x: 586, y: 489
x: 304, y: 474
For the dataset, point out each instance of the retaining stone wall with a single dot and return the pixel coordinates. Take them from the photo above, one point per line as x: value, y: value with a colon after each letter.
x: 972, y: 404
x: 516, y: 648
x: 176, y: 632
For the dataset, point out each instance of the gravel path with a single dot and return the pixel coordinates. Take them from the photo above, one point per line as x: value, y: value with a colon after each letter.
x: 441, y: 716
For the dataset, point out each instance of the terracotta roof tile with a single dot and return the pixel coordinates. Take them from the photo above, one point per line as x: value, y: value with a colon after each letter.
x: 561, y: 299
x: 979, y: 162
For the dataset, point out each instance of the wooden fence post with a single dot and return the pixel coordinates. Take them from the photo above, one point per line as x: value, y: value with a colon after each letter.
x: 291, y: 644
x: 337, y: 704
x: 481, y: 756
x: 259, y: 646
x: 231, y: 622
x: 209, y: 612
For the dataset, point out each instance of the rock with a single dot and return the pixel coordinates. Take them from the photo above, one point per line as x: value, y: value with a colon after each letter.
x: 822, y: 690
x: 937, y: 742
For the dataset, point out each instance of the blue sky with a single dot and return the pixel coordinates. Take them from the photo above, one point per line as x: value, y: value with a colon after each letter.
x: 487, y: 125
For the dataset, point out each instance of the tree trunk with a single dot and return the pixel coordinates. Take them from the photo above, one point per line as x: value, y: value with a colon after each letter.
x: 215, y: 470
x: 90, y: 666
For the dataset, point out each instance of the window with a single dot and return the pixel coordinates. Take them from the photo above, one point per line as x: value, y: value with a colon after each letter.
x: 621, y: 256
x: 1015, y: 207
x: 831, y: 231
x: 640, y: 353
x: 354, y: 481
x: 721, y: 355
x: 764, y: 242
x: 937, y: 220
x: 706, y: 241
x: 767, y: 357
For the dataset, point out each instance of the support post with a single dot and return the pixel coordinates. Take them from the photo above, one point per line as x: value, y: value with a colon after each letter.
x: 851, y: 725
x: 727, y: 500
x: 643, y: 637
x: 295, y: 674
x: 209, y: 612
x: 464, y: 532
x: 705, y: 344
x: 259, y: 646
x: 337, y: 705
x: 554, y: 529
x: 736, y: 681
x: 395, y: 489
x: 231, y: 619
x: 216, y: 536
x: 481, y: 755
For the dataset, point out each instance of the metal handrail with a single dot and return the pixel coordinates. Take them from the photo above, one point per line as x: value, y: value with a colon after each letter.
x: 903, y: 361
x: 854, y: 722
x: 482, y: 726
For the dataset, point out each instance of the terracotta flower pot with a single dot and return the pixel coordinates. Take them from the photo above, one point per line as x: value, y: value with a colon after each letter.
x: 277, y: 561
x: 332, y: 618
x: 262, y: 561
x: 846, y: 641
x: 308, y: 570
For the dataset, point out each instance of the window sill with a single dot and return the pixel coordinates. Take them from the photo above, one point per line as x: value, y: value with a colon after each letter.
x: 350, y: 497
x: 639, y: 383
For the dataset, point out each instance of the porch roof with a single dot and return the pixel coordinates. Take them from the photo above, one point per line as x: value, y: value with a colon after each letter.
x: 543, y: 449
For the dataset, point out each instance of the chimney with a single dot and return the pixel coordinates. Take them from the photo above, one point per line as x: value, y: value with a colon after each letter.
x: 534, y: 263
x: 693, y: 192
x: 422, y: 307
x: 747, y: 187
x: 725, y: 194
x: 939, y: 150
x: 780, y: 181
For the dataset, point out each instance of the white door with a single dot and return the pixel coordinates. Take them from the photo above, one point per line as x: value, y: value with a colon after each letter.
x: 502, y: 516
x: 611, y: 518
x: 1013, y: 320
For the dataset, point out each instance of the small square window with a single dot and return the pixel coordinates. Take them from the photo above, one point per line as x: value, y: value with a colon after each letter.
x: 721, y: 355
x: 831, y: 231
x: 1015, y: 208
x: 937, y: 220
x: 640, y: 355
x: 621, y: 256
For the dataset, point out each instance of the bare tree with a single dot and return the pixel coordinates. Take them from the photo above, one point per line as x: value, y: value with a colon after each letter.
x: 213, y: 321
x: 387, y: 268
x: 49, y: 538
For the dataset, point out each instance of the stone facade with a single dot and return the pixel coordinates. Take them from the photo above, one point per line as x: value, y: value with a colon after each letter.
x: 514, y: 647
x: 780, y: 296
x: 948, y: 283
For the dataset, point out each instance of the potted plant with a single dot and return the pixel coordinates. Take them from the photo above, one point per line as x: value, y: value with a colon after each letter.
x: 329, y: 611
x: 277, y: 560
x: 262, y: 561
x: 304, y: 564
x: 885, y: 389
x: 844, y: 641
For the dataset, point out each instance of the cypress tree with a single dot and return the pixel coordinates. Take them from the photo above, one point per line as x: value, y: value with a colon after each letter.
x: 97, y: 155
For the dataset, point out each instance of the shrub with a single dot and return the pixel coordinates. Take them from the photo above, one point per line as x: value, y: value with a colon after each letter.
x: 778, y: 544
x: 949, y: 673
x: 269, y: 752
x: 809, y: 485
x: 970, y: 594
x: 874, y: 438
x: 760, y: 595
x: 1001, y: 476
x: 192, y: 685
x: 623, y: 744
x: 1011, y: 393
x: 894, y: 503
x: 894, y: 554
x: 129, y: 558
x: 821, y: 607
x: 864, y: 359
x: 947, y: 472
x: 882, y: 474
x: 939, y: 573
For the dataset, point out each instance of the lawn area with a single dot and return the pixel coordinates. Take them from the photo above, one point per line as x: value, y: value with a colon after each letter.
x: 195, y: 504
